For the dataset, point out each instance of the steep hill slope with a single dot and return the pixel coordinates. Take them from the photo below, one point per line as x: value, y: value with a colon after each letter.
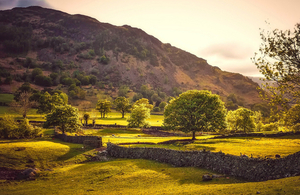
x: 121, y: 55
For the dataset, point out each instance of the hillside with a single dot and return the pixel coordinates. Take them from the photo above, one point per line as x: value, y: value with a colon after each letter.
x: 77, y: 46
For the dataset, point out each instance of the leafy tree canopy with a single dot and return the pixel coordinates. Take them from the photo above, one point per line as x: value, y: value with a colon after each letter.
x: 242, y: 119
x: 47, y: 102
x: 279, y: 61
x: 292, y: 117
x: 138, y: 116
x: 65, y: 116
x: 122, y: 105
x: 104, y: 107
x: 144, y: 101
x: 195, y: 111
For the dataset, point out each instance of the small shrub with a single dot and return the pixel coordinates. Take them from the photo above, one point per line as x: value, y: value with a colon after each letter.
x: 156, y: 109
x: 9, y: 128
x: 270, y: 127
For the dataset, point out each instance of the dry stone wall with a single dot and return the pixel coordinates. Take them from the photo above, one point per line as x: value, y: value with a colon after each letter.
x: 93, y: 141
x: 251, y: 169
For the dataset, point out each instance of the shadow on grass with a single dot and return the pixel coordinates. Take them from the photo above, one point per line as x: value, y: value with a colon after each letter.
x: 185, y: 175
x: 288, y: 137
x: 111, y: 119
x: 75, y: 149
x: 215, y: 141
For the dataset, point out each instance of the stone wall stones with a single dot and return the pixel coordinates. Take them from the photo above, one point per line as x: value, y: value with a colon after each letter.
x: 251, y: 169
x: 93, y: 141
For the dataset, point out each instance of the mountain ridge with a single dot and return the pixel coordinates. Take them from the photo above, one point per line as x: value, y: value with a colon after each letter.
x: 134, y: 58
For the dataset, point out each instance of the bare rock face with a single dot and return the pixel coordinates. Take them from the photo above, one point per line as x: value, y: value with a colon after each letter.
x: 29, y: 174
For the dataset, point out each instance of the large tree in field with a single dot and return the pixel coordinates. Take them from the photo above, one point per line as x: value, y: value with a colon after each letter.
x: 104, y: 107
x: 66, y: 117
x: 279, y: 61
x: 138, y: 116
x: 122, y: 105
x: 194, y: 111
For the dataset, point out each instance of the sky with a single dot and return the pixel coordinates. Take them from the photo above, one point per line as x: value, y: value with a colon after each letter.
x: 223, y: 32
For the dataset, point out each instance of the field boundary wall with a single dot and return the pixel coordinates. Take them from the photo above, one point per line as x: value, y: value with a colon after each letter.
x: 251, y: 169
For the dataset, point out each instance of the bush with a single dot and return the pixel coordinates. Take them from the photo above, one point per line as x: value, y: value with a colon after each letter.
x: 156, y: 109
x: 270, y: 127
x: 9, y: 128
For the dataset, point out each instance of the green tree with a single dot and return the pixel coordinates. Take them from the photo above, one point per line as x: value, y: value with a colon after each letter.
x: 231, y: 118
x: 36, y: 72
x: 122, y: 105
x: 7, y: 126
x: 47, y: 102
x: 292, y: 118
x: 195, y: 111
x: 25, y: 87
x: 241, y: 119
x: 138, y: 116
x: 123, y: 90
x: 104, y: 107
x: 278, y: 60
x: 144, y: 101
x: 162, y: 105
x: 66, y: 117
x: 86, y: 117
x: 24, y: 104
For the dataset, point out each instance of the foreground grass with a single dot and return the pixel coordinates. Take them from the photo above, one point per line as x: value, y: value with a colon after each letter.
x: 18, y: 154
x: 118, y: 176
x: 127, y: 176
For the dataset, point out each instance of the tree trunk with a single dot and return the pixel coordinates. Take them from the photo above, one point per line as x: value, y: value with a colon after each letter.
x: 194, y: 135
x: 123, y: 114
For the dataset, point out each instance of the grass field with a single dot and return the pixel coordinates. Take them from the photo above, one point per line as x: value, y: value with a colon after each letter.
x: 259, y: 147
x: 6, y: 98
x: 111, y: 119
x: 117, y: 176
x: 116, y: 118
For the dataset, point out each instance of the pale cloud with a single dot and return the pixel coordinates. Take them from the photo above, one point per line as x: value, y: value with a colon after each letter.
x: 9, y: 4
x: 227, y: 51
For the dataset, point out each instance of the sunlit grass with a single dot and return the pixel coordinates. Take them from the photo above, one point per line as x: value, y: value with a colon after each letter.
x: 43, y: 154
x: 116, y: 118
x: 257, y: 147
x: 134, y: 176
x: 127, y: 176
x: 6, y: 98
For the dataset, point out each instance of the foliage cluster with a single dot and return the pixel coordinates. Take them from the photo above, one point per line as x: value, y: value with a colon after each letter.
x: 16, y: 39
x: 195, y: 111
x: 10, y: 129
x: 65, y: 116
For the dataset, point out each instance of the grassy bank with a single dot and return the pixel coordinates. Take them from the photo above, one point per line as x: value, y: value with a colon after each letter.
x: 64, y: 173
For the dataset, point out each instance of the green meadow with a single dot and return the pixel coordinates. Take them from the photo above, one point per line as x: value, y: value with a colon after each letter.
x: 64, y: 170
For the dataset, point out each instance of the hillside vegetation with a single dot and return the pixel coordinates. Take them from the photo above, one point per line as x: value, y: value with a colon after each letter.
x: 48, y: 48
